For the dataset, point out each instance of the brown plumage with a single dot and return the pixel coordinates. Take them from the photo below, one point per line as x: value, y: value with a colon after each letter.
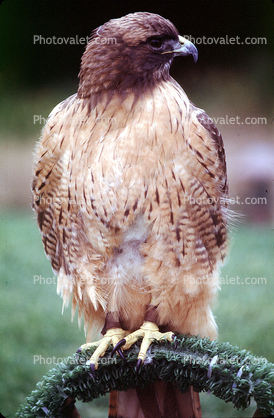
x: 130, y: 185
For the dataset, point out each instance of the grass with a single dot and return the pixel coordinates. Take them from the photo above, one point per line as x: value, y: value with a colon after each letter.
x: 32, y: 325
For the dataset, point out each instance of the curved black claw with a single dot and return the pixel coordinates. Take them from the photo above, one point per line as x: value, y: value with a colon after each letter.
x: 138, y: 365
x: 175, y: 341
x: 121, y: 354
x: 118, y: 345
x: 92, y: 369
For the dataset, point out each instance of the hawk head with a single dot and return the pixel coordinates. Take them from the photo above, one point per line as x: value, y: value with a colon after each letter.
x: 132, y: 53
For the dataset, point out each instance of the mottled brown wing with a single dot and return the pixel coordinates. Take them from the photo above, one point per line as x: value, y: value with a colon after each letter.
x: 58, y: 197
x: 50, y: 197
x: 207, y: 144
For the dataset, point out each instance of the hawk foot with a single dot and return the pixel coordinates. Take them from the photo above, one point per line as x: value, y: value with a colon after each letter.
x: 111, y: 337
x: 150, y: 332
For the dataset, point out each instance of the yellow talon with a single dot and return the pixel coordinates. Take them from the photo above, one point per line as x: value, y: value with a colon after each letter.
x: 112, y: 336
x: 150, y: 332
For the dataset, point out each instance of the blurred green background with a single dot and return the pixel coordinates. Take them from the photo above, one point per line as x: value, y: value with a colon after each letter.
x: 227, y: 81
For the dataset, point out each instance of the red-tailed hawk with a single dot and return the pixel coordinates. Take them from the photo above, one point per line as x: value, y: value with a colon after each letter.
x: 130, y: 190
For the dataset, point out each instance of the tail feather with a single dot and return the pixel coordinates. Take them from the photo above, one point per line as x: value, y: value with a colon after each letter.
x: 112, y: 409
x: 156, y: 400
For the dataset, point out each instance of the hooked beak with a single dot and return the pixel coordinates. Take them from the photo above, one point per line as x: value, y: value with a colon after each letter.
x: 183, y: 48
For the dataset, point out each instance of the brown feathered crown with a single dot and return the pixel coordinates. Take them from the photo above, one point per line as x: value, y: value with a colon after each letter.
x: 131, y: 53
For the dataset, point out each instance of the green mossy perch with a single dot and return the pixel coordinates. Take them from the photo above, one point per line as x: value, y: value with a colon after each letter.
x: 229, y: 373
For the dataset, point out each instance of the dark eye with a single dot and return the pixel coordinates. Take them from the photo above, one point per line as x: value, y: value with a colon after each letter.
x: 156, y: 42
